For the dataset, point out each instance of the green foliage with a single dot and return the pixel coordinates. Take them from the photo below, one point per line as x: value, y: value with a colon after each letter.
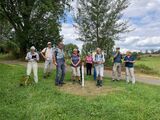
x: 44, y: 101
x: 137, y: 55
x: 68, y: 48
x: 148, y: 65
x: 10, y: 47
x: 99, y: 24
x: 35, y: 22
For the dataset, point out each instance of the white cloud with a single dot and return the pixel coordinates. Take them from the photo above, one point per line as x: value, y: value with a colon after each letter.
x: 69, y: 34
x: 144, y: 17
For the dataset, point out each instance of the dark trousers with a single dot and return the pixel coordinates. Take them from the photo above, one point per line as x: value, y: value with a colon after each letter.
x: 60, y: 71
x: 89, y: 68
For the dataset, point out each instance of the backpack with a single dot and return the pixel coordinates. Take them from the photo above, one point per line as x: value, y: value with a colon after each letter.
x: 96, y: 56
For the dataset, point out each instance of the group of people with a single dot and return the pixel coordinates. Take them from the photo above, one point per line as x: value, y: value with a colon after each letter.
x: 57, y: 56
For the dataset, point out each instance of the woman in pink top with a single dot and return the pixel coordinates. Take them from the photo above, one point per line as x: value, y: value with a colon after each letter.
x: 89, y: 62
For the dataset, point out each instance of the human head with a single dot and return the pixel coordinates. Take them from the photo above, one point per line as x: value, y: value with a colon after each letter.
x: 60, y: 45
x: 98, y: 50
x: 32, y: 49
x: 89, y: 54
x: 49, y: 44
x: 75, y: 51
x: 128, y: 53
x: 117, y: 49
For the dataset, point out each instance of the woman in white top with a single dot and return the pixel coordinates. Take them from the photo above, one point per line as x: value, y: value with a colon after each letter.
x: 32, y: 57
x: 99, y: 61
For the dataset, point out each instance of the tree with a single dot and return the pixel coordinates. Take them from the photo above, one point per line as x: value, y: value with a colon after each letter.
x: 69, y: 48
x: 99, y: 22
x: 5, y: 30
x: 34, y: 21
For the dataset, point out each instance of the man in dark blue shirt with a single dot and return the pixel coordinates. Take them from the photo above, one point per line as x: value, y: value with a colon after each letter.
x: 117, y: 61
x: 129, y: 64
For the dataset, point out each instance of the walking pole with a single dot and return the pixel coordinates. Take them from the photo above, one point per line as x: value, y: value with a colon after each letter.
x: 82, y: 72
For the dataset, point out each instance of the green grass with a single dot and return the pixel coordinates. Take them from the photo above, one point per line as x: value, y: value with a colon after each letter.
x: 44, y: 101
x: 149, y: 65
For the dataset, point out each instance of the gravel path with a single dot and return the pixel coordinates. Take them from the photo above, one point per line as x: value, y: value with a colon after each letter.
x: 148, y: 79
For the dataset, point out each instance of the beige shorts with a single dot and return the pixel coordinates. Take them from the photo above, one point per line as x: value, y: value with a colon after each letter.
x: 76, y: 71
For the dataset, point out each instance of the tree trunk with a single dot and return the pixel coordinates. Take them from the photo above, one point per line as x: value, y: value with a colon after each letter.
x: 22, y: 39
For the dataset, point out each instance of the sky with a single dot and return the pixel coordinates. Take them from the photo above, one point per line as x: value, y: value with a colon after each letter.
x: 144, y: 19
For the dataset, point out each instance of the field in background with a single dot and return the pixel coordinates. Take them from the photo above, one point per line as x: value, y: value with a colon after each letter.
x: 44, y: 101
x: 149, y: 65
x: 146, y: 65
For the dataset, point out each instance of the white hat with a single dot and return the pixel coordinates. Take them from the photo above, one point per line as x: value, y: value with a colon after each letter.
x: 33, y: 48
x: 49, y: 43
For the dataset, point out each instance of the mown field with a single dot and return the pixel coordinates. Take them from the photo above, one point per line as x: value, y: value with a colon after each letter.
x: 44, y: 101
x: 149, y: 65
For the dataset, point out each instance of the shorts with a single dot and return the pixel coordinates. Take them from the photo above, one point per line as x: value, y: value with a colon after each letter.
x: 99, y: 70
x: 76, y: 71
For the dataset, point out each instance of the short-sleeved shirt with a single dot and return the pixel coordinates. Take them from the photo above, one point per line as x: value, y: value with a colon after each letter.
x: 75, y: 59
x: 32, y: 57
x: 128, y: 64
x: 48, y: 53
x: 118, y: 58
x: 59, y: 54
x: 89, y: 59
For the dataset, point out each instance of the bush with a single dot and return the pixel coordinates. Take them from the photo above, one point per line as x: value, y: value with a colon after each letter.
x: 145, y: 69
x: 10, y: 47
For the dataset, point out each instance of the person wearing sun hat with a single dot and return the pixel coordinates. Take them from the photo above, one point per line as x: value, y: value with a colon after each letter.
x: 117, y: 62
x: 129, y: 61
x: 32, y: 57
x: 47, y: 54
x: 59, y: 61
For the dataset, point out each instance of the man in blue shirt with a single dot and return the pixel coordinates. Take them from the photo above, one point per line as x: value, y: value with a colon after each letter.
x: 117, y: 61
x: 59, y: 61
x: 129, y: 64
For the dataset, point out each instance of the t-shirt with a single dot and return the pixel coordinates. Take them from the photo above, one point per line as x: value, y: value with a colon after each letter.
x: 128, y: 64
x: 75, y: 59
x: 32, y: 57
x: 118, y: 58
x: 89, y: 59
x: 59, y: 54
x: 48, y: 53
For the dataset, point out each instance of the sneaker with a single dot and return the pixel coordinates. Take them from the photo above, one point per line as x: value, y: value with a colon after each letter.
x: 98, y: 83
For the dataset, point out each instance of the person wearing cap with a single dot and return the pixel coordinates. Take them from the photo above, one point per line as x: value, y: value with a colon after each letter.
x: 59, y: 61
x: 117, y: 62
x: 129, y: 61
x: 32, y: 57
x: 75, y: 66
x: 47, y: 54
x: 99, y: 61
x: 89, y: 62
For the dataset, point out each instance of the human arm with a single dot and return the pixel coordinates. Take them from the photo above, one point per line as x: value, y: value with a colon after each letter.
x: 42, y: 53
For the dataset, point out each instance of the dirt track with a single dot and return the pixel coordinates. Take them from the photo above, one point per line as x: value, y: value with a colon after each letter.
x: 139, y: 77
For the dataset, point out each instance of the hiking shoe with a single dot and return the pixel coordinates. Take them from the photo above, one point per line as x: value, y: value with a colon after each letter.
x: 98, y: 83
